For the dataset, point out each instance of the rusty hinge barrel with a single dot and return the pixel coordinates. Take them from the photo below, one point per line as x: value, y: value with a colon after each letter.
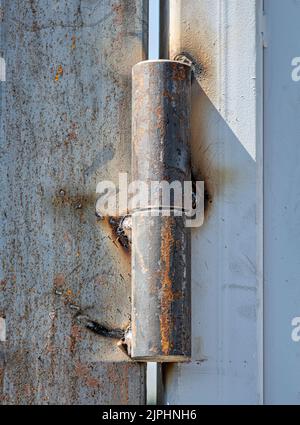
x: 161, y: 275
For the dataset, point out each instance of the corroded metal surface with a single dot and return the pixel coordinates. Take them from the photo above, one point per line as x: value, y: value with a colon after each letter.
x: 161, y: 114
x: 65, y: 126
x: 160, y: 244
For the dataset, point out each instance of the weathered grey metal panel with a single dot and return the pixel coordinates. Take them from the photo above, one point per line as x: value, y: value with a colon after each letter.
x: 65, y: 126
x: 223, y: 37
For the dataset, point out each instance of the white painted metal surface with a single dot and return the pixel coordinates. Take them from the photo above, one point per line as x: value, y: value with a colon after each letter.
x: 225, y: 39
x: 282, y: 202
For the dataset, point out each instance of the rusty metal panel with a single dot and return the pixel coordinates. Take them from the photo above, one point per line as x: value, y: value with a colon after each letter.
x: 223, y: 40
x: 161, y: 255
x: 66, y: 124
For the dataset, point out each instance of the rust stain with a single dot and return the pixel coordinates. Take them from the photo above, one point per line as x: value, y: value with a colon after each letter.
x: 160, y: 121
x: 92, y: 382
x: 118, y: 378
x: 101, y: 280
x: 78, y: 201
x: 179, y: 72
x: 73, y: 42
x: 74, y: 337
x: 59, y: 72
x: 167, y: 296
x: 177, y: 295
x: 119, y: 13
x: 1, y: 377
x: 59, y: 280
x: 83, y: 372
x: 69, y: 295
x: 167, y: 94
x: 72, y: 136
x: 124, y: 392
x: 28, y: 390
